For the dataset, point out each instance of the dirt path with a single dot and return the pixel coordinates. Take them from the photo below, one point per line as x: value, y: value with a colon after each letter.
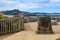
x: 5, y: 36
x: 30, y: 33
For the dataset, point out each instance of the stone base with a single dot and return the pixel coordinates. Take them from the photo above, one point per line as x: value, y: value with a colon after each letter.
x: 45, y: 32
x: 44, y: 25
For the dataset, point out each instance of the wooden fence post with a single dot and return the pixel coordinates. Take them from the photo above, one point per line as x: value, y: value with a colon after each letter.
x: 21, y: 23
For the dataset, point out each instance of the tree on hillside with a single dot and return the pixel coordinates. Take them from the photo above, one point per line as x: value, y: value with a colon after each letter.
x: 2, y: 16
x: 16, y: 15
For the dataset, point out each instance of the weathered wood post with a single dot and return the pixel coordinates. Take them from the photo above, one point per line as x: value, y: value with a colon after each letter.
x: 44, y: 25
x: 22, y: 22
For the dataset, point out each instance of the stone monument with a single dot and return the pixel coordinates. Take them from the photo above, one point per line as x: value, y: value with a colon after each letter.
x: 44, y: 25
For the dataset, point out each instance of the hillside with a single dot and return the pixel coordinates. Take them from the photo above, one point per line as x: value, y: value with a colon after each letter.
x: 12, y: 12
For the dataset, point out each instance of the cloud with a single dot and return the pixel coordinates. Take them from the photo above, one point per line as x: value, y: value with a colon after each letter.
x: 6, y: 1
x: 54, y: 1
x: 15, y: 5
x: 25, y: 5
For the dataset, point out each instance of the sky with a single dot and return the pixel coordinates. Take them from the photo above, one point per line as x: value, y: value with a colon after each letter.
x: 47, y: 6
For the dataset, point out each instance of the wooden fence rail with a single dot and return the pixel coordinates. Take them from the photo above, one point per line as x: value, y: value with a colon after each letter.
x: 11, y: 25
